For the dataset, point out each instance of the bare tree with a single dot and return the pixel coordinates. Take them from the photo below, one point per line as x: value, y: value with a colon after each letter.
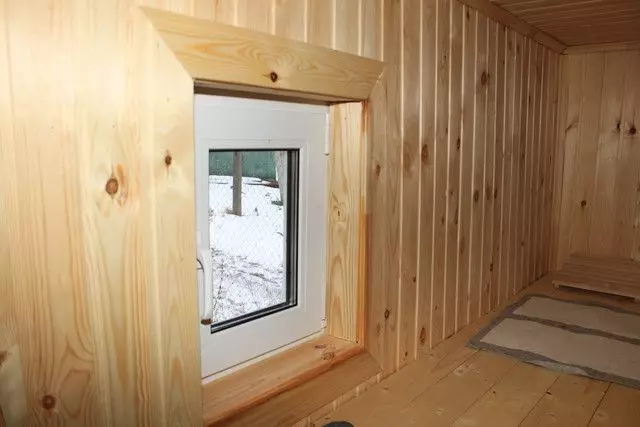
x: 237, y: 183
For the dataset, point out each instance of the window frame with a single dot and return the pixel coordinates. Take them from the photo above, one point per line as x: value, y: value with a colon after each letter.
x: 263, y: 335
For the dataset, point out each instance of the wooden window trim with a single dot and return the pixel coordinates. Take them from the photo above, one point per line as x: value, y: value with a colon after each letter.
x: 248, y: 389
x: 230, y: 59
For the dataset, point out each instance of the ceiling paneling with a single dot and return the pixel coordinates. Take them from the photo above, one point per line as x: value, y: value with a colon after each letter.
x: 580, y: 22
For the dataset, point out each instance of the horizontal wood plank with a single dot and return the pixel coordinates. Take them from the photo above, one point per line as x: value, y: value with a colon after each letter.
x: 215, y: 52
x: 255, y: 384
x: 289, y: 407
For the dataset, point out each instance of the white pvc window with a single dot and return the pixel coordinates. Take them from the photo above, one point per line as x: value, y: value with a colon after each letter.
x: 261, y: 214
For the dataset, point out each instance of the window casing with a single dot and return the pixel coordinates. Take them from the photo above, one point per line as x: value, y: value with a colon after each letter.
x: 236, y: 125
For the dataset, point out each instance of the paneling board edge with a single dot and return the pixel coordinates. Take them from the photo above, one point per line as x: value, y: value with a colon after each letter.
x: 603, y: 47
x: 505, y: 17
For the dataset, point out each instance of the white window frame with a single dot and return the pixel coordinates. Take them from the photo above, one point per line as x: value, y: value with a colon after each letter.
x: 229, y: 123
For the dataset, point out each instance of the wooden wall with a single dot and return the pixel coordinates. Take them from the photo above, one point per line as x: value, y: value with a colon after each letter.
x: 95, y: 285
x: 598, y: 182
x: 460, y: 187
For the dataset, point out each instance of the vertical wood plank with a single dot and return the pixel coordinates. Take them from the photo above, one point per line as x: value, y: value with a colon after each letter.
x: 256, y: 15
x: 291, y: 19
x: 466, y: 165
x: 516, y: 203
x: 525, y: 132
x: 479, y: 135
x: 410, y: 114
x: 527, y: 164
x: 440, y: 170
x: 488, y: 187
x: 427, y: 151
x: 507, y: 218
x: 378, y: 265
x: 456, y: 17
x: 392, y: 47
x: 601, y: 227
x: 586, y: 152
x: 320, y: 25
x: 569, y: 131
x: 347, y: 26
x: 628, y: 167
x: 345, y: 202
x: 495, y: 267
x: 544, y: 160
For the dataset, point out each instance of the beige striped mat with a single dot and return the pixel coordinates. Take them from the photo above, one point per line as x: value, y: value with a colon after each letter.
x: 580, y: 338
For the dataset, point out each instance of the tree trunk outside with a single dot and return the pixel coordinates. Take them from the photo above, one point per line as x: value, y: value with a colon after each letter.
x: 237, y: 183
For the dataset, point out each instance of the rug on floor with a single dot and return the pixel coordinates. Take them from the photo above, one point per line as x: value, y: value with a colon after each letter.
x: 581, y: 338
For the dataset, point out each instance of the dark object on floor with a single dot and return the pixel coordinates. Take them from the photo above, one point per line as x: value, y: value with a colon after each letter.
x: 339, y: 424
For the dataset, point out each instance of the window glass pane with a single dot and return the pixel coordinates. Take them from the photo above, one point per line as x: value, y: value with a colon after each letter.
x: 252, y: 230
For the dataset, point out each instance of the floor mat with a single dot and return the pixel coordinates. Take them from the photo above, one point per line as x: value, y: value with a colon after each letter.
x: 575, y: 337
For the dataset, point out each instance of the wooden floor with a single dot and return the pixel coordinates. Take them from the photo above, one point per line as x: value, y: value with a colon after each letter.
x: 457, y: 386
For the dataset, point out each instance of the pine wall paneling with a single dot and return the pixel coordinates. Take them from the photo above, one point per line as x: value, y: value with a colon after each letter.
x: 92, y: 276
x: 597, y: 206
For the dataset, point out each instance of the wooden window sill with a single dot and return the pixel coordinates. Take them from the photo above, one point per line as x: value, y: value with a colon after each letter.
x: 288, y: 386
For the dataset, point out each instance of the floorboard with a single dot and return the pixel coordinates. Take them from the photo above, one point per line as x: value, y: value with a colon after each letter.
x: 454, y: 385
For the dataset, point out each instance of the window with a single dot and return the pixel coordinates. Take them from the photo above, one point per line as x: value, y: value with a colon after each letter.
x: 253, y: 230
x: 261, y: 214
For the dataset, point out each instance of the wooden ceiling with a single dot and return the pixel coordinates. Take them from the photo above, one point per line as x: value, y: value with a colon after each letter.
x: 580, y: 22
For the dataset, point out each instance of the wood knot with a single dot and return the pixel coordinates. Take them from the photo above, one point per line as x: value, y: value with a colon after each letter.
x: 320, y: 346
x: 476, y: 195
x: 423, y: 335
x: 458, y: 144
x: 3, y: 357
x: 328, y: 355
x: 387, y: 313
x: 632, y: 130
x: 583, y: 203
x: 48, y: 402
x: 273, y: 76
x: 112, y: 186
x: 495, y: 193
x: 424, y: 154
x: 491, y: 267
x: 618, y: 126
x: 484, y: 78
x: 468, y: 15
x: 378, y: 170
x: 168, y: 159
x: 206, y: 321
x: 413, y: 279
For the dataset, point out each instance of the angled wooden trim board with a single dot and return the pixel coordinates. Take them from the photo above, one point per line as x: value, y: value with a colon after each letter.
x: 235, y: 56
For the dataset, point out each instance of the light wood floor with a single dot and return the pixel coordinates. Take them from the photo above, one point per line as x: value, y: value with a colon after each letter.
x: 457, y: 386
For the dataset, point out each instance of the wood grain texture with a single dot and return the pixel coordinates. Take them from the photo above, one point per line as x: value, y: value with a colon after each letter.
x: 410, y: 116
x: 288, y: 407
x: 579, y: 22
x: 456, y: 385
x: 106, y: 307
x: 218, y: 53
x: 597, y: 209
x: 504, y: 16
x: 570, y: 401
x: 247, y: 388
x: 618, y: 408
x: 344, y: 282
